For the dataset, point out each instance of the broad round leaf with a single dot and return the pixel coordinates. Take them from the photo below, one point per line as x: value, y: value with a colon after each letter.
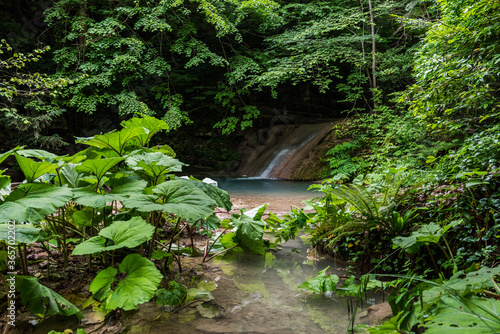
x: 121, y: 189
x: 154, y: 164
x: 185, y: 200
x: 101, y: 284
x: 130, y: 234
x: 139, y: 285
x: 31, y: 202
x: 117, y: 141
x: 97, y: 167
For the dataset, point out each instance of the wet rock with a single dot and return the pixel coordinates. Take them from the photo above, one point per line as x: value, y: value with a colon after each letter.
x: 376, y: 314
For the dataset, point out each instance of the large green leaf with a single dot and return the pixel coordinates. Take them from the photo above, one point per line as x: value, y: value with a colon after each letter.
x: 464, y: 284
x: 68, y: 175
x: 25, y: 234
x: 31, y: 202
x: 97, y: 167
x: 178, y: 197
x: 101, y: 285
x: 249, y: 233
x: 322, y: 283
x: 7, y: 154
x: 122, y: 189
x: 33, y: 170
x: 130, y: 234
x: 39, y: 154
x: 221, y: 197
x: 143, y: 203
x: 5, y: 185
x: 116, y: 141
x: 429, y: 233
x: 43, y: 300
x: 149, y: 124
x: 154, y: 164
x: 465, y: 316
x: 183, y: 199
x: 256, y: 213
x: 141, y: 279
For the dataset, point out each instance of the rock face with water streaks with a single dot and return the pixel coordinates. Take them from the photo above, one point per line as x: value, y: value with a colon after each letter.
x: 288, y: 152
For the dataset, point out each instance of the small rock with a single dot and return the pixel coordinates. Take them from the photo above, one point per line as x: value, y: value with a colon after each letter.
x: 376, y: 314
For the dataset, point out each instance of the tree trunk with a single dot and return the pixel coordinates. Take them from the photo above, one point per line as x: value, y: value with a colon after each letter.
x: 374, y: 49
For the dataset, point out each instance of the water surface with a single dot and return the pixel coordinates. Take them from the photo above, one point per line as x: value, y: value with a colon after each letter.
x: 280, y: 195
x: 259, y: 294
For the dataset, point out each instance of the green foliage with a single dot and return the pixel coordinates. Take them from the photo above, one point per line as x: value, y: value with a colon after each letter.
x: 32, y: 170
x: 341, y: 159
x: 154, y: 165
x: 123, y: 189
x: 31, y: 202
x: 453, y: 305
x: 429, y: 233
x: 173, y: 296
x: 321, y: 283
x: 141, y: 279
x: 466, y: 315
x: 179, y: 197
x: 25, y: 234
x: 249, y: 231
x: 456, y: 64
x: 220, y: 196
x: 144, y: 59
x: 43, y: 300
x: 28, y: 98
x: 119, y: 234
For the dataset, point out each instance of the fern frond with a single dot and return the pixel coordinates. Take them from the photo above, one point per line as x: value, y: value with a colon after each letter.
x: 359, y: 198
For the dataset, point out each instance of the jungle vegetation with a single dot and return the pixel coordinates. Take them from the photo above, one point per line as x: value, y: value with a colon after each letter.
x: 410, y: 198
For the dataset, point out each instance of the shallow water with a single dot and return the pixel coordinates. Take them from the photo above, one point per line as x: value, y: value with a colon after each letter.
x: 280, y: 195
x: 259, y: 294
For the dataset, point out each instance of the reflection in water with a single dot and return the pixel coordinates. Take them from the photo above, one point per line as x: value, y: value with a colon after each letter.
x: 259, y: 295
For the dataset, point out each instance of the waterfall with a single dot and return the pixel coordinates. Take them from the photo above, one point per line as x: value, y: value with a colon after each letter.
x: 283, y: 152
x: 282, y: 158
x: 266, y: 173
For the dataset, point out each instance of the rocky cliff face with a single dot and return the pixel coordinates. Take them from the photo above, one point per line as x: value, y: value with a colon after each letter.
x: 289, y: 152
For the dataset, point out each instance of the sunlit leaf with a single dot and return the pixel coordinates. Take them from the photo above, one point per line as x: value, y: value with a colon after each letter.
x: 220, y: 196
x: 97, y: 167
x: 117, y: 141
x: 150, y: 125
x: 249, y: 233
x: 122, y: 189
x: 33, y: 170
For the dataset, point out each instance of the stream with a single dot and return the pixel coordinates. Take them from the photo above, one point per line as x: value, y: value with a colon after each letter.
x: 258, y: 294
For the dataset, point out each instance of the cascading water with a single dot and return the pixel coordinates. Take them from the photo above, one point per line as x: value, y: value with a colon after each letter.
x: 280, y: 156
x: 266, y: 173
